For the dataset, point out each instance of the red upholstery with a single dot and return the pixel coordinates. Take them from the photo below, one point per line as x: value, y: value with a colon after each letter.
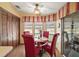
x: 25, y: 32
x: 51, y: 49
x: 30, y: 49
x: 45, y: 34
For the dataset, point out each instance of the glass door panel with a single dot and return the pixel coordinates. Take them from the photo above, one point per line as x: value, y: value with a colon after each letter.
x: 70, y: 34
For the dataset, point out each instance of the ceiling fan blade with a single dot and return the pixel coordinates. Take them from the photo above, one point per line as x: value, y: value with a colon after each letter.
x: 30, y: 5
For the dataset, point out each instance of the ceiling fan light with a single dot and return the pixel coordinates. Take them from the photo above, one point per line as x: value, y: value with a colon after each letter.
x: 37, y: 11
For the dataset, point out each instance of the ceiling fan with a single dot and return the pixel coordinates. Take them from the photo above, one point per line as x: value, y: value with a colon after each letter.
x: 36, y: 9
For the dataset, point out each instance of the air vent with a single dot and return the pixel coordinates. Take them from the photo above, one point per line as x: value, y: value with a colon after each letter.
x: 17, y: 7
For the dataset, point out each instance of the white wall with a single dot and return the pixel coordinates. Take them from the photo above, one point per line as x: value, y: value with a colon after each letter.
x: 58, y: 30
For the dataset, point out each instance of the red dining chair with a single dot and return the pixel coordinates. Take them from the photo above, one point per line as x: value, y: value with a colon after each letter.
x: 45, y: 34
x: 25, y: 32
x: 30, y: 49
x: 51, y: 48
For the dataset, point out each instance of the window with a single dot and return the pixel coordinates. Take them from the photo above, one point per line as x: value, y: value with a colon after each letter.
x: 50, y: 26
x: 37, y: 27
x: 28, y: 26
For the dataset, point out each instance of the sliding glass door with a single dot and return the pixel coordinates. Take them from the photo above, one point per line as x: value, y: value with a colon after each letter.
x: 70, y: 34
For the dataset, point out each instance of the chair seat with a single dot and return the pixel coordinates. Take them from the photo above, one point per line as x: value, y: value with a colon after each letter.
x: 47, y: 48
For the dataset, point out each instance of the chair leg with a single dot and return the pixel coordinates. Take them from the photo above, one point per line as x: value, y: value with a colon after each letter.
x: 54, y: 54
x: 51, y: 55
x: 40, y: 54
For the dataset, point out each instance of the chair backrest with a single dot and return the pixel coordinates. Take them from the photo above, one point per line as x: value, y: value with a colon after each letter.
x: 54, y: 39
x: 25, y: 32
x: 29, y: 45
x: 45, y: 34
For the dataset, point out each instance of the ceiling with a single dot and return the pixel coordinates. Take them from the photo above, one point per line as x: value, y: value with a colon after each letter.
x: 44, y: 7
